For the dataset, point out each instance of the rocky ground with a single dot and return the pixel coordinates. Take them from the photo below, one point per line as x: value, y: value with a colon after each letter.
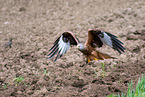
x: 33, y: 27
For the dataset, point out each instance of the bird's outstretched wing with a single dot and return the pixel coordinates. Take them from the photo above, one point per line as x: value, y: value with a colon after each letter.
x: 62, y: 44
x: 96, y: 38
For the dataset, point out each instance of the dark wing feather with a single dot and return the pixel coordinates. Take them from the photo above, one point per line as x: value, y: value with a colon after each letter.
x: 113, y: 37
x: 116, y: 44
x: 62, y: 44
x: 112, y: 41
x: 105, y: 38
x: 55, y: 43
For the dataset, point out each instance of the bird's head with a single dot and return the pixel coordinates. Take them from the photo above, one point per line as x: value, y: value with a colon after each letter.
x: 80, y: 46
x: 10, y: 39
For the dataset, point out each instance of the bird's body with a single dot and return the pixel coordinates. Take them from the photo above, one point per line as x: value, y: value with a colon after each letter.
x: 8, y: 44
x: 92, y: 54
x: 96, y: 38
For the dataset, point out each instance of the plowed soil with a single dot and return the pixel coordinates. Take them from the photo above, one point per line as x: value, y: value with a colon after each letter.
x: 34, y: 25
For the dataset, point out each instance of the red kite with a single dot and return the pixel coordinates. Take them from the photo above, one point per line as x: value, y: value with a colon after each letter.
x: 96, y: 38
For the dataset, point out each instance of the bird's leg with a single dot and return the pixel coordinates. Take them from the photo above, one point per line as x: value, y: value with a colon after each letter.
x: 87, y: 61
x: 96, y: 59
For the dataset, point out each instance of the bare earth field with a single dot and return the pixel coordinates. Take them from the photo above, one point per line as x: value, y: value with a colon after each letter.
x: 35, y: 24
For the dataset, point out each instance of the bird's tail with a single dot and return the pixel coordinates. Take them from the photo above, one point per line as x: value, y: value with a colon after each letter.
x: 96, y: 55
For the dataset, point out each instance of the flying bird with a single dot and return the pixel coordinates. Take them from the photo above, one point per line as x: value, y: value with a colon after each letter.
x: 96, y: 38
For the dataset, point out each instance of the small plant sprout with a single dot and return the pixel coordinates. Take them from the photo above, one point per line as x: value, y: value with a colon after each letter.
x: 113, y: 65
x: 103, y: 71
x: 4, y: 85
x: 95, y: 73
x: 45, y: 72
x: 18, y: 80
x: 103, y: 66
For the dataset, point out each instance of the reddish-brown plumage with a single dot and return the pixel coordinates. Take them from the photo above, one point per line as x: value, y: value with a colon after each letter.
x: 93, y: 39
x: 96, y: 38
x: 91, y: 53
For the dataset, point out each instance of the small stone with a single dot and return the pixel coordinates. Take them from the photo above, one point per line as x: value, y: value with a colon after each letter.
x: 132, y: 37
x: 22, y: 9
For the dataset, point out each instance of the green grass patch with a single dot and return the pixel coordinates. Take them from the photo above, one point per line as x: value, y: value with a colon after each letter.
x: 139, y: 91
